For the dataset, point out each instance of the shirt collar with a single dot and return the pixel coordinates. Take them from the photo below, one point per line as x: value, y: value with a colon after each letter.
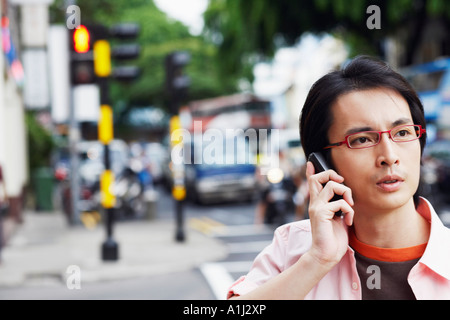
x: 436, y: 255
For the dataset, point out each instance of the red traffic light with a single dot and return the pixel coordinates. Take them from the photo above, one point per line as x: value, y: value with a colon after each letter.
x: 81, y: 39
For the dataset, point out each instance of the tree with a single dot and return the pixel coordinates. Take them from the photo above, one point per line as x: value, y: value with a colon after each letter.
x: 255, y: 28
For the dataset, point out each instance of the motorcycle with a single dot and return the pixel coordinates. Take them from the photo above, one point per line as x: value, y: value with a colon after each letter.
x: 89, y: 192
x: 129, y: 193
x: 127, y: 188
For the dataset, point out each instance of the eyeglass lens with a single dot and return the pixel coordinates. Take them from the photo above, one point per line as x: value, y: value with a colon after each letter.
x: 367, y: 139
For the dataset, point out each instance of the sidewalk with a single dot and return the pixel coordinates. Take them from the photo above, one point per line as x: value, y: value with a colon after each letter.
x: 44, y: 246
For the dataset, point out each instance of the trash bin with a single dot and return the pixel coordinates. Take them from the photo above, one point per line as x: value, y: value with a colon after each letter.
x: 42, y: 179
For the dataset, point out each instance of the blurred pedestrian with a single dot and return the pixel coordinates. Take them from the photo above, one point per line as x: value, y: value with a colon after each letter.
x: 301, y: 196
x: 389, y: 243
x: 3, y: 208
x: 276, y: 196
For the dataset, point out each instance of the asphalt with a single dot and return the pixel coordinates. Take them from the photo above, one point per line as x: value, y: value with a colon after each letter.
x: 44, y: 248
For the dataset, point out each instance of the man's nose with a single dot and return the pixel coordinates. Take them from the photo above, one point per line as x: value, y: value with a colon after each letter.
x: 387, y: 151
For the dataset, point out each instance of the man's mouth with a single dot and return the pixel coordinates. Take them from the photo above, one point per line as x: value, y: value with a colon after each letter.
x: 390, y: 183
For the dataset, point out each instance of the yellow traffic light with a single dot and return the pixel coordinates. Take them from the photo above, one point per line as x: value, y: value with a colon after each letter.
x: 105, y: 124
x: 102, y: 58
x: 108, y: 198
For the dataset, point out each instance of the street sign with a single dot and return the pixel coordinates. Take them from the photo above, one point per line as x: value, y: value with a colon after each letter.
x: 86, y: 99
x: 59, y: 73
x: 36, y: 91
x: 34, y: 25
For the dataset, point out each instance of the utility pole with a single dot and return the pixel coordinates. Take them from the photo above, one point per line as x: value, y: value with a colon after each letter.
x: 81, y: 73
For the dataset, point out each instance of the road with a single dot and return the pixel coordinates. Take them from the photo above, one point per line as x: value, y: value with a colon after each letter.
x: 233, y: 224
x: 230, y: 223
x: 244, y: 240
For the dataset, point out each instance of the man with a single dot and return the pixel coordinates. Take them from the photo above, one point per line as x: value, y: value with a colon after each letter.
x: 369, y: 124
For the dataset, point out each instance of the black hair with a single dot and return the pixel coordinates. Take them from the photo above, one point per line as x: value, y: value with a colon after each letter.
x: 361, y: 73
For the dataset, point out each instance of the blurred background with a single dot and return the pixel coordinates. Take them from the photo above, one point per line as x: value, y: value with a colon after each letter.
x: 95, y: 96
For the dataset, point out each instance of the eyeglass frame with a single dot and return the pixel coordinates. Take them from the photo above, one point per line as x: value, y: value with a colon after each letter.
x: 345, y: 141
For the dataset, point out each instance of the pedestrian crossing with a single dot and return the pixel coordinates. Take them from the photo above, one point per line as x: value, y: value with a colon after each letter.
x: 244, y: 243
x: 206, y: 225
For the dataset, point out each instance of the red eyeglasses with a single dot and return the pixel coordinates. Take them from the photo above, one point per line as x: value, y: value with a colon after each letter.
x: 368, y: 139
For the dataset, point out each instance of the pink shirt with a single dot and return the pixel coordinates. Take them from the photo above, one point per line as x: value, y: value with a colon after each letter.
x: 429, y: 278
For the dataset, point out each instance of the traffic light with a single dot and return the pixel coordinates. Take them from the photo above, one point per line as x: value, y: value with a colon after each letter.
x: 102, y: 58
x: 177, y: 83
x: 91, y: 54
x: 81, y: 56
x: 81, y: 40
x: 127, y: 51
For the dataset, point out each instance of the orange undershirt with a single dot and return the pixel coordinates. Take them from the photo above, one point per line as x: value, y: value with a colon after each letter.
x: 385, y: 254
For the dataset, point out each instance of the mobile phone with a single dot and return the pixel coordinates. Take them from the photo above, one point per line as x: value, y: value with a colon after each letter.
x: 321, y: 165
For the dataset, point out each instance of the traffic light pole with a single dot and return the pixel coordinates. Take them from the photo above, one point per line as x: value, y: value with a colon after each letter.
x: 110, y: 248
x: 102, y: 67
x: 178, y: 173
x: 179, y: 235
x: 176, y: 86
x: 74, y: 137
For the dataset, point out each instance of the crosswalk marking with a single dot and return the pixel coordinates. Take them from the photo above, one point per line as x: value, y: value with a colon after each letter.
x: 241, y: 267
x: 246, y: 229
x: 218, y: 277
x: 250, y: 246
x: 213, y: 227
x: 206, y: 225
x: 219, y: 274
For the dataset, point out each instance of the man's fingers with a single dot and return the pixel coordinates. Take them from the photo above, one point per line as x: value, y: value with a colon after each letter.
x: 333, y: 188
x: 316, y: 181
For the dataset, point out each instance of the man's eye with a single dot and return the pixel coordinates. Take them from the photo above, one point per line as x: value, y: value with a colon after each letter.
x: 403, y: 133
x: 361, y: 140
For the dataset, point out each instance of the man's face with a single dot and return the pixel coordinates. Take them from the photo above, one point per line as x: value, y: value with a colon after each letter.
x: 383, y: 177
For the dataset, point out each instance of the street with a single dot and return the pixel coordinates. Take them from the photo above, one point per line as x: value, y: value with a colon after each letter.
x: 232, y: 224
x: 229, y: 224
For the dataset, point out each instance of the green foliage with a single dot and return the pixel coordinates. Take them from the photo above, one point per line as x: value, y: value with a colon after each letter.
x: 40, y: 142
x: 242, y: 28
